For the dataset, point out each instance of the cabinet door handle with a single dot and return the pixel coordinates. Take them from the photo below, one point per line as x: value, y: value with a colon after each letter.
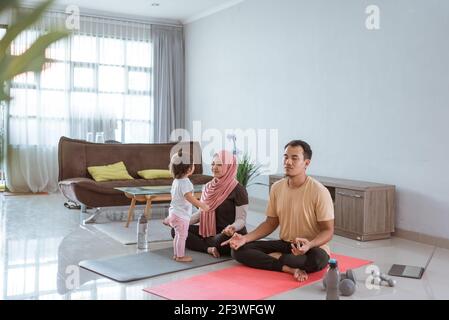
x: 349, y: 195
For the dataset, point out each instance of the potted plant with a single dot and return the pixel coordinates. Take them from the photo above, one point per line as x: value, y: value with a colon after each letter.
x: 247, y: 171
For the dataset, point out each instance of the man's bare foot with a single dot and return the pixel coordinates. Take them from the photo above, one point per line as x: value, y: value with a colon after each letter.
x: 275, y: 255
x: 300, y: 275
x: 213, y: 252
x: 184, y: 259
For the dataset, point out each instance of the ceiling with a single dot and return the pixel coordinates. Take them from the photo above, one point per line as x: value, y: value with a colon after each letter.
x: 183, y: 11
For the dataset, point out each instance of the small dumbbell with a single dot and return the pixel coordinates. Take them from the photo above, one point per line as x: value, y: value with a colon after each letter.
x: 382, y: 279
x: 391, y: 282
x: 347, y: 283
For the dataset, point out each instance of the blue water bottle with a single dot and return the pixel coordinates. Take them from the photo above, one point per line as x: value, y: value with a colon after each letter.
x: 332, y: 280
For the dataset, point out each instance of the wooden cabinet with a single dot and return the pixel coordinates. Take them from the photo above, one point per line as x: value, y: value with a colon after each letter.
x: 363, y: 210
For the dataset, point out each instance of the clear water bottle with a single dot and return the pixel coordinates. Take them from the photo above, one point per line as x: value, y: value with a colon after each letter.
x: 142, y: 232
x: 332, y: 281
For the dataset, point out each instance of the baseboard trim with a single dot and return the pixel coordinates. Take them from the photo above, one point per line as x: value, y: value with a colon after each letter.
x: 422, y: 238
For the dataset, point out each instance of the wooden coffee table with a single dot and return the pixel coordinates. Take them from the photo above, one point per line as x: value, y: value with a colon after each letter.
x: 150, y: 195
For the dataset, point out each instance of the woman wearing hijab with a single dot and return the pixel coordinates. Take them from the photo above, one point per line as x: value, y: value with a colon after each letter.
x: 228, y: 205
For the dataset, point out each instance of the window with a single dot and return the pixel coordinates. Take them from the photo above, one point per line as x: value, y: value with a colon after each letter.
x: 95, y: 84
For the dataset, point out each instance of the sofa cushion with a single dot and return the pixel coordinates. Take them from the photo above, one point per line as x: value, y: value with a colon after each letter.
x: 108, y: 186
x: 154, y: 174
x: 98, y: 194
x: 111, y: 172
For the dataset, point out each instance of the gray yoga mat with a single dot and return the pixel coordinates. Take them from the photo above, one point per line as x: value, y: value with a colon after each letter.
x: 147, y: 264
x: 116, y: 230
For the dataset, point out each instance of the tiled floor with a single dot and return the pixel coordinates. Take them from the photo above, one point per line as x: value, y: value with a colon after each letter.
x: 42, y: 243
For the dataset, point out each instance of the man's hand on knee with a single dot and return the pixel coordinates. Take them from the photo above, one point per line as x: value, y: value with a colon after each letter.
x: 300, y: 246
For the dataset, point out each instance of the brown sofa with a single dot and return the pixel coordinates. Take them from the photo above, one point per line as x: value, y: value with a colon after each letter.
x: 75, y: 156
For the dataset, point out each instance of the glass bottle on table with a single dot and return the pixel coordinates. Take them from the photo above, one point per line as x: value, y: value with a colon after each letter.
x: 90, y: 137
x: 99, y: 137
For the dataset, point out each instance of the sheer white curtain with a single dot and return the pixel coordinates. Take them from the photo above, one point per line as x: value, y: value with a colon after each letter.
x: 100, y: 83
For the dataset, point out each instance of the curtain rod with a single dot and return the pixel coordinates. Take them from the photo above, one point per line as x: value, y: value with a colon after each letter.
x: 116, y: 18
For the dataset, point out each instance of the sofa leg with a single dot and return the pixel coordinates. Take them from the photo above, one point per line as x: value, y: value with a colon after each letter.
x: 83, y: 208
x: 92, y: 218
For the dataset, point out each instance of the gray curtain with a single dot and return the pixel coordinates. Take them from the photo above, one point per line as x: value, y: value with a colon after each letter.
x: 168, y: 81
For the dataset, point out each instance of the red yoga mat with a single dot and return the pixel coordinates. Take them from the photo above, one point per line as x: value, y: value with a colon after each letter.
x: 243, y: 283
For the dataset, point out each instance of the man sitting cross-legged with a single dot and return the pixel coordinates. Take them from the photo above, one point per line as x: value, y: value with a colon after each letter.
x: 304, y: 210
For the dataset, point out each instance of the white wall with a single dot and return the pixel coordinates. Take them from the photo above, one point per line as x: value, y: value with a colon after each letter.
x: 372, y: 104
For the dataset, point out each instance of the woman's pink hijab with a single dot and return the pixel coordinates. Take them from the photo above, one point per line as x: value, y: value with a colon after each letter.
x: 216, y: 191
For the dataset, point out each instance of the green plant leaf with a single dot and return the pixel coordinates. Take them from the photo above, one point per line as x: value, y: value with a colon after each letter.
x: 247, y: 171
x: 22, y: 24
x: 7, y: 4
x: 32, y: 59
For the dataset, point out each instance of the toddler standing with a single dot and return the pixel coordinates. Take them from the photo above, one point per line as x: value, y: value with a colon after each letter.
x: 180, y: 210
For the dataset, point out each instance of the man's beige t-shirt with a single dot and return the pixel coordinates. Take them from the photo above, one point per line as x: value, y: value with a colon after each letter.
x: 299, y: 210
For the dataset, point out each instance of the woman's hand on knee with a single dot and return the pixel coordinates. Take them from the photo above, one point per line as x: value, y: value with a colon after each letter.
x: 229, y: 231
